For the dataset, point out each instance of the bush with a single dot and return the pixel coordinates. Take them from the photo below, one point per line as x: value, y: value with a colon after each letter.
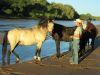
x: 8, y: 11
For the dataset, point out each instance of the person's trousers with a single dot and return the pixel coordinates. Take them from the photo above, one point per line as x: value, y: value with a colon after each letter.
x: 74, y: 51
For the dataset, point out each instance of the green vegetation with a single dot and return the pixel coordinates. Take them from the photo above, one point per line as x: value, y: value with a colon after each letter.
x: 38, y: 8
x: 89, y: 16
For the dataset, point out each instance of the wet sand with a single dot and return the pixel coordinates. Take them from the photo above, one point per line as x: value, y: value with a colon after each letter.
x: 90, y: 65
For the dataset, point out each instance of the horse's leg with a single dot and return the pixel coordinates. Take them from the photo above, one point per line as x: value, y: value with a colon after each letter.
x: 9, y: 53
x: 57, y: 40
x: 8, y: 59
x: 12, y: 47
x: 38, y: 51
x: 70, y: 45
x: 88, y: 43
x: 17, y: 57
x: 58, y: 48
x: 35, y: 56
x: 82, y: 49
x: 4, y: 48
x: 92, y: 43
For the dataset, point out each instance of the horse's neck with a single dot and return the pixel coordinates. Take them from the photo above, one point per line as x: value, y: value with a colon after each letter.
x: 40, y: 29
x: 90, y: 26
x: 43, y: 30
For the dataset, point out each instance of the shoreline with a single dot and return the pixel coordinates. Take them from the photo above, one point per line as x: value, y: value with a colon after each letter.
x: 29, y: 18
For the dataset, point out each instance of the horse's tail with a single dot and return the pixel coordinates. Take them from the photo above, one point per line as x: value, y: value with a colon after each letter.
x: 4, y: 47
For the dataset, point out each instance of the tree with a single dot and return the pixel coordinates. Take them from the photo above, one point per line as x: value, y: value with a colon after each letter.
x: 86, y: 16
x: 37, y: 9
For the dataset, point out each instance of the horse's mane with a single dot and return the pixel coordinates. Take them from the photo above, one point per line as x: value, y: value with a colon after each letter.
x: 62, y: 26
x: 58, y: 26
x: 43, y: 23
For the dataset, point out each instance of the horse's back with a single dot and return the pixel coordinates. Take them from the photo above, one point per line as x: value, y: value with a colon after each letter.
x: 58, y: 29
x: 18, y: 35
x: 63, y: 32
x: 26, y: 36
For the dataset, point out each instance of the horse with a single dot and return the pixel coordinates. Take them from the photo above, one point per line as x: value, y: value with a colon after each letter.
x: 84, y: 40
x: 89, y: 33
x: 92, y: 32
x: 26, y: 36
x: 62, y: 33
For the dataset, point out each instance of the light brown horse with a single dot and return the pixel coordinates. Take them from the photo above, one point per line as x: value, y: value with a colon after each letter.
x: 26, y: 36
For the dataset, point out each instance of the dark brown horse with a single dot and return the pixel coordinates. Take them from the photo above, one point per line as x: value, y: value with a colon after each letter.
x: 92, y: 32
x: 61, y: 33
x: 89, y: 33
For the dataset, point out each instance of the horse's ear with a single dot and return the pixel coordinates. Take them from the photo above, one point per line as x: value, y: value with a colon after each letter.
x: 50, y: 20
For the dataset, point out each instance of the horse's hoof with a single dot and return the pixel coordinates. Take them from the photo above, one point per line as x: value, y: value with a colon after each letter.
x: 3, y: 63
x: 36, y: 61
x: 35, y: 57
x: 58, y: 56
x: 17, y: 60
x: 39, y: 59
x: 92, y: 48
x: 8, y: 63
x: 39, y: 62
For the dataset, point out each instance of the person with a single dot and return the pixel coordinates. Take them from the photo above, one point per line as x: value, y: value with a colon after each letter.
x: 75, y: 42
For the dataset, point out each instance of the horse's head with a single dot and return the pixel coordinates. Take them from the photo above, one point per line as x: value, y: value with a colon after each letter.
x: 46, y: 24
x: 43, y: 23
x: 50, y: 25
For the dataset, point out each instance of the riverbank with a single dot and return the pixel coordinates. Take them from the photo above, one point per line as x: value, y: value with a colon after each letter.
x: 53, y: 66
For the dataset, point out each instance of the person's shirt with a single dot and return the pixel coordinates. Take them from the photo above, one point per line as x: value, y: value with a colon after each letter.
x: 77, y: 33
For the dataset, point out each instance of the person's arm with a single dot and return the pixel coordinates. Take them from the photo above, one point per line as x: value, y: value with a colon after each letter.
x: 76, y: 36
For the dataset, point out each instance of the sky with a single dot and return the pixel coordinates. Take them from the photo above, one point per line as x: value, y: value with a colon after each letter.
x: 82, y: 6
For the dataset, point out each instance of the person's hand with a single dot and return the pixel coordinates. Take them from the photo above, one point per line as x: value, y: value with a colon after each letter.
x: 71, y: 36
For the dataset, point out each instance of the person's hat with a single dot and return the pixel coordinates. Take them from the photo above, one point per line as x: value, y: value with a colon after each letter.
x: 78, y: 20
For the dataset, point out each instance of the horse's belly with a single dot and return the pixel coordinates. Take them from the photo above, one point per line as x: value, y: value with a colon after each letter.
x: 29, y: 42
x: 66, y: 38
x: 22, y: 43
